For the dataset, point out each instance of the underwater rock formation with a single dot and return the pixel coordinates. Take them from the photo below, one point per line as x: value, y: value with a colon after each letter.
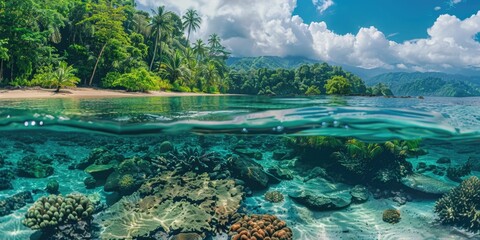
x: 461, y: 206
x: 274, y: 196
x: 35, y: 166
x: 52, y: 186
x: 260, y: 227
x: 165, y: 147
x: 281, y: 173
x: 249, y: 171
x: 15, y: 202
x: 56, y: 210
x: 100, y: 156
x: 6, y: 177
x: 359, y: 194
x: 455, y: 173
x: 320, y: 202
x: 173, y: 204
x: 128, y: 176
x: 426, y: 184
x: 391, y: 216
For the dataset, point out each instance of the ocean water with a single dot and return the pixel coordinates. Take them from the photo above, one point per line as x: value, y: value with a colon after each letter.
x: 198, y: 164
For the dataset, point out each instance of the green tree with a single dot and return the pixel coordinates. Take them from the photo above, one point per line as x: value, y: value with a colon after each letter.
x: 62, y: 76
x: 200, y: 49
x: 107, y: 22
x: 337, y: 85
x: 191, y: 22
x: 173, y: 68
x: 313, y: 90
x: 161, y: 22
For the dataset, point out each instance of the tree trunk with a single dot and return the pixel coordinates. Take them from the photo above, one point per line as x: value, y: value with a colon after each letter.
x: 154, y: 52
x: 96, y: 64
x: 1, y: 71
x: 58, y: 89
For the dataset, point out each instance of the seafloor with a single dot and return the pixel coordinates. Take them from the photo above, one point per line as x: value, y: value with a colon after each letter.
x: 174, y: 160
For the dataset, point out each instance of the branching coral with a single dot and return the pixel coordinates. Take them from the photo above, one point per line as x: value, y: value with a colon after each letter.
x: 52, y: 211
x: 260, y: 227
x: 274, y: 196
x: 461, y: 206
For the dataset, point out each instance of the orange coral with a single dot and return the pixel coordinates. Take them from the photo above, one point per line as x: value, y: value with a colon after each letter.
x: 260, y: 227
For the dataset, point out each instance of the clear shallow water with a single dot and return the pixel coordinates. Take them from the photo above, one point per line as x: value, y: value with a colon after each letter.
x: 448, y: 127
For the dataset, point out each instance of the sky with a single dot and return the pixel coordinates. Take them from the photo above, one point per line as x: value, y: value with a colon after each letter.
x: 396, y: 35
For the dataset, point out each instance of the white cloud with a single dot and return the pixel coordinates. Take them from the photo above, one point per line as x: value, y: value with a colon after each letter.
x: 453, y: 2
x: 323, y: 5
x: 437, y: 8
x: 256, y: 28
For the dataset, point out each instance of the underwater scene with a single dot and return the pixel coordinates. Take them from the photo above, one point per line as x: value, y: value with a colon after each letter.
x: 240, y: 167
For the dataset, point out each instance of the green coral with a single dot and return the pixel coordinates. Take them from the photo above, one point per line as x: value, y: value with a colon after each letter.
x: 461, y: 206
x: 35, y: 166
x: 126, y: 183
x: 55, y: 210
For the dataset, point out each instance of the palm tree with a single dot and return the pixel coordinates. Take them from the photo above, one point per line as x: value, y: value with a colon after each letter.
x: 160, y: 23
x: 214, y: 41
x: 200, y: 49
x: 173, y: 67
x: 63, y: 76
x: 191, y: 21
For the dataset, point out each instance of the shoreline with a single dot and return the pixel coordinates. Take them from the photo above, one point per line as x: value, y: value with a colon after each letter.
x: 38, y: 93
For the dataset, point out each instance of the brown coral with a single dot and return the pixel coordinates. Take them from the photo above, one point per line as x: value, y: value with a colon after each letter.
x: 391, y: 216
x: 260, y: 227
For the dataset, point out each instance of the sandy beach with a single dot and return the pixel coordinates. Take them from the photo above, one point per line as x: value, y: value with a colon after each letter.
x: 86, y: 93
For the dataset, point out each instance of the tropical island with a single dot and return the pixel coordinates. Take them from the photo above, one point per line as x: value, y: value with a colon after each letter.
x: 113, y: 45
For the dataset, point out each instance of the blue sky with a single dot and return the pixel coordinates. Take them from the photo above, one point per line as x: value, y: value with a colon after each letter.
x: 399, y: 20
x: 395, y: 35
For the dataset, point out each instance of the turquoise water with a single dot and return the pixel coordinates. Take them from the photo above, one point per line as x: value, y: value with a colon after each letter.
x: 213, y: 140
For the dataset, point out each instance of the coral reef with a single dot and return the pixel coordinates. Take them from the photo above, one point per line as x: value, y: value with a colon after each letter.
x: 274, y: 196
x: 72, y: 230
x: 260, y: 227
x: 173, y: 204
x: 56, y: 210
x: 15, y: 202
x: 391, y: 216
x: 455, y: 173
x: 461, y: 206
x: 35, y: 166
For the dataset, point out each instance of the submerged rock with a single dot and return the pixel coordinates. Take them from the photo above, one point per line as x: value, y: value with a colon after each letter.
x: 100, y: 172
x: 52, y: 186
x: 15, y: 202
x: 281, y: 155
x: 444, y: 160
x: 6, y: 177
x: 391, y: 216
x: 165, y: 147
x: 320, y: 202
x: 359, y: 194
x: 426, y: 184
x: 281, y: 173
x: 250, y: 172
x: 35, y: 167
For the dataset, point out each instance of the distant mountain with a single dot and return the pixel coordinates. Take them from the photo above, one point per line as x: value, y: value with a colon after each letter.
x: 270, y: 62
x: 428, y: 84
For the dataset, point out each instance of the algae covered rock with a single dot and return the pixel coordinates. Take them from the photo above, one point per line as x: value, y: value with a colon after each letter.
x: 260, y: 227
x: 461, y: 206
x: 100, y: 156
x: 249, y: 171
x: 391, y: 216
x: 359, y: 194
x: 6, y: 177
x: 15, y: 202
x: 166, y: 147
x: 187, y: 203
x: 52, y: 186
x: 56, y: 210
x: 35, y: 166
x: 100, y: 172
x: 128, y: 176
x: 320, y: 202
x: 426, y: 184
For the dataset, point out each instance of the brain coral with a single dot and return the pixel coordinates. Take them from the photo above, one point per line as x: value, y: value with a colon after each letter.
x: 260, y: 227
